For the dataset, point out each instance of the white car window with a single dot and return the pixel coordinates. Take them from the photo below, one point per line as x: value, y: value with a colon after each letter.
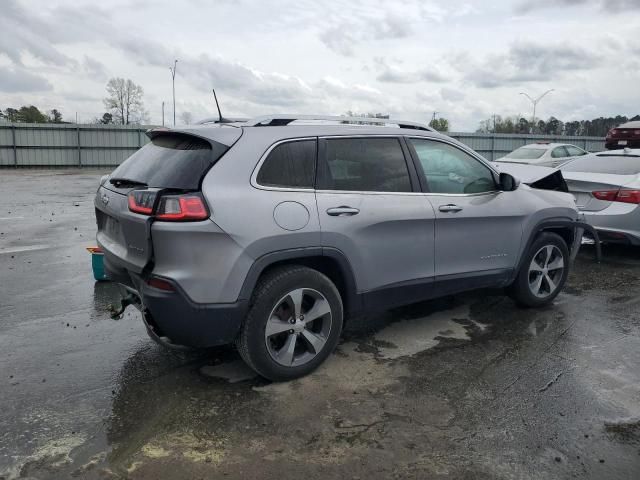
x: 559, y: 152
x: 575, y: 151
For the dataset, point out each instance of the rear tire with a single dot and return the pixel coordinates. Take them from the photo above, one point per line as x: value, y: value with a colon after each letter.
x: 543, y: 271
x: 293, y: 324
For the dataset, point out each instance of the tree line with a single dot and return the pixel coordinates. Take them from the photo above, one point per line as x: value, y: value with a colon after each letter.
x: 124, y: 104
x: 597, y: 127
x: 31, y: 114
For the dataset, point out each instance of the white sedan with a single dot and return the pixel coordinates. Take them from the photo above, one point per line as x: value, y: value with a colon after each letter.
x: 544, y: 154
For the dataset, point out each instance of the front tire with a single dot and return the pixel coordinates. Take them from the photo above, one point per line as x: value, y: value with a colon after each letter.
x: 293, y: 324
x: 543, y: 271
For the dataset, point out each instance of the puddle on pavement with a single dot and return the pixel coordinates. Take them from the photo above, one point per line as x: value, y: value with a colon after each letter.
x: 408, y: 337
x: 399, y: 339
x: 233, y: 372
x: 53, y: 454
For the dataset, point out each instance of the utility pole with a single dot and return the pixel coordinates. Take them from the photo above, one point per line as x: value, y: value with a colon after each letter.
x: 535, y: 101
x: 173, y: 86
x: 163, y: 114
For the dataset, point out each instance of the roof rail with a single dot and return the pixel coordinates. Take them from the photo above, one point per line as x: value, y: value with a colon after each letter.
x: 281, y: 120
x: 206, y: 121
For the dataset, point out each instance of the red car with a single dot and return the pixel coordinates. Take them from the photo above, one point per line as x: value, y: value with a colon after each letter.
x: 626, y: 135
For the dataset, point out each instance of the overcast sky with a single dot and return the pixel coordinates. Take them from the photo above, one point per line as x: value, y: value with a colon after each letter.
x: 408, y: 58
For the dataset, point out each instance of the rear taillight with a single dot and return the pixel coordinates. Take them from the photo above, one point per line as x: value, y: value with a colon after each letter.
x: 608, y: 195
x: 141, y: 201
x: 622, y: 195
x: 188, y: 207
x: 610, y: 133
x: 628, y: 196
x: 636, y: 132
x: 181, y: 208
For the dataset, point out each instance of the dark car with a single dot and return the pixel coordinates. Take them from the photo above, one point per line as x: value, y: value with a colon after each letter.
x: 626, y: 135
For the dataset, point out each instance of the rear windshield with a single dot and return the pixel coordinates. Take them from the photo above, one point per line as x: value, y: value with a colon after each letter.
x: 617, y: 165
x: 526, y: 153
x: 171, y: 161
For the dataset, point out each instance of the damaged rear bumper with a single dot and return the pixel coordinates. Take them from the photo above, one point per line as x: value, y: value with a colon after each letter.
x: 174, y: 320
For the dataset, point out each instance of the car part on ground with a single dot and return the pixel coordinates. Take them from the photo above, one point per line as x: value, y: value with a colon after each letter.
x: 232, y: 232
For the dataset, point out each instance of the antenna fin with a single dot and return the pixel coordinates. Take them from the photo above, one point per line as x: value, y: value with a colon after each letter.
x: 215, y: 97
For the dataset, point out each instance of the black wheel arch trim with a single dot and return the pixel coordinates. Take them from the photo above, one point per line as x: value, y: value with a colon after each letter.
x: 353, y: 301
x: 577, y: 227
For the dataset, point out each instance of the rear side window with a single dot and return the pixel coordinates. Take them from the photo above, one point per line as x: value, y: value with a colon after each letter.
x: 290, y: 165
x: 524, y: 153
x: 617, y: 165
x: 173, y: 160
x: 364, y: 165
x: 575, y: 151
x: 559, y: 152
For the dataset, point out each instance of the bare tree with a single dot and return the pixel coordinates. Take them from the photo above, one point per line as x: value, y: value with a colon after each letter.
x: 186, y: 118
x: 124, y: 100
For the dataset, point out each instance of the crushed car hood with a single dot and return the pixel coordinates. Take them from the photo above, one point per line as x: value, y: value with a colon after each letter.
x: 545, y: 178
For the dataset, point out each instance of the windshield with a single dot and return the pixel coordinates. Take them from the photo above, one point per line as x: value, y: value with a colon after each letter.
x: 525, y: 153
x: 617, y: 165
x: 171, y: 161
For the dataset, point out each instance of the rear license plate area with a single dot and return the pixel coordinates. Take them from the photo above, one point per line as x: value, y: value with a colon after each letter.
x: 111, y: 227
x: 622, y: 142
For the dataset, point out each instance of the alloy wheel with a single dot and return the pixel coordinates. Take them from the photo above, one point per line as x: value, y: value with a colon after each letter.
x: 545, y: 271
x: 298, y: 327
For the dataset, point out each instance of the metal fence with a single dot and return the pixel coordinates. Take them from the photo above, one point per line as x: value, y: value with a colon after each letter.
x: 49, y: 145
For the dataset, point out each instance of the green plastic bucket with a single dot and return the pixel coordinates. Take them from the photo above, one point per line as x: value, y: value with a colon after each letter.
x: 97, y: 263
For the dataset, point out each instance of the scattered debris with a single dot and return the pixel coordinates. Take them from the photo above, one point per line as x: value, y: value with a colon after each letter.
x: 551, y: 382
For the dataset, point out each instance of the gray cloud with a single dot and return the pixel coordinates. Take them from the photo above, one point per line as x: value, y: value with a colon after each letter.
x: 393, y: 74
x: 343, y: 36
x: 610, y: 6
x: 451, y: 94
x: 526, y: 62
x: 94, y: 68
x: 22, y: 34
x: 19, y: 80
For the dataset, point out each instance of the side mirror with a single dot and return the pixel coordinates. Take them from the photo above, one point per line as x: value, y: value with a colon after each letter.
x: 508, y: 183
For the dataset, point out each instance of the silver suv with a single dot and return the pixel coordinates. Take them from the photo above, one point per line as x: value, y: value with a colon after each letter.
x: 270, y: 233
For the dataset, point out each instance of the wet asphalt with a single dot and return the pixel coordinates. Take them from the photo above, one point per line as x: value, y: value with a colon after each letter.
x: 466, y: 387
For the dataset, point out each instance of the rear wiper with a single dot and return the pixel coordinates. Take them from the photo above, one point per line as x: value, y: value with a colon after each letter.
x: 120, y: 182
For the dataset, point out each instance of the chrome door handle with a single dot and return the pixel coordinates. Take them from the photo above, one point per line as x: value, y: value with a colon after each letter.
x: 342, y: 211
x: 449, y: 208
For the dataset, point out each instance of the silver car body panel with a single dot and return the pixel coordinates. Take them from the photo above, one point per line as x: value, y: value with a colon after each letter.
x: 395, y: 238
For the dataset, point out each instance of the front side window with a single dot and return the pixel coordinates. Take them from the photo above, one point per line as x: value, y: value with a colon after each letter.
x: 450, y: 170
x: 290, y: 165
x: 364, y: 165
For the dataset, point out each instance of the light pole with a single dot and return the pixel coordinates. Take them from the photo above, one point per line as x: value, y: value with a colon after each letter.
x: 535, y: 101
x: 173, y: 86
